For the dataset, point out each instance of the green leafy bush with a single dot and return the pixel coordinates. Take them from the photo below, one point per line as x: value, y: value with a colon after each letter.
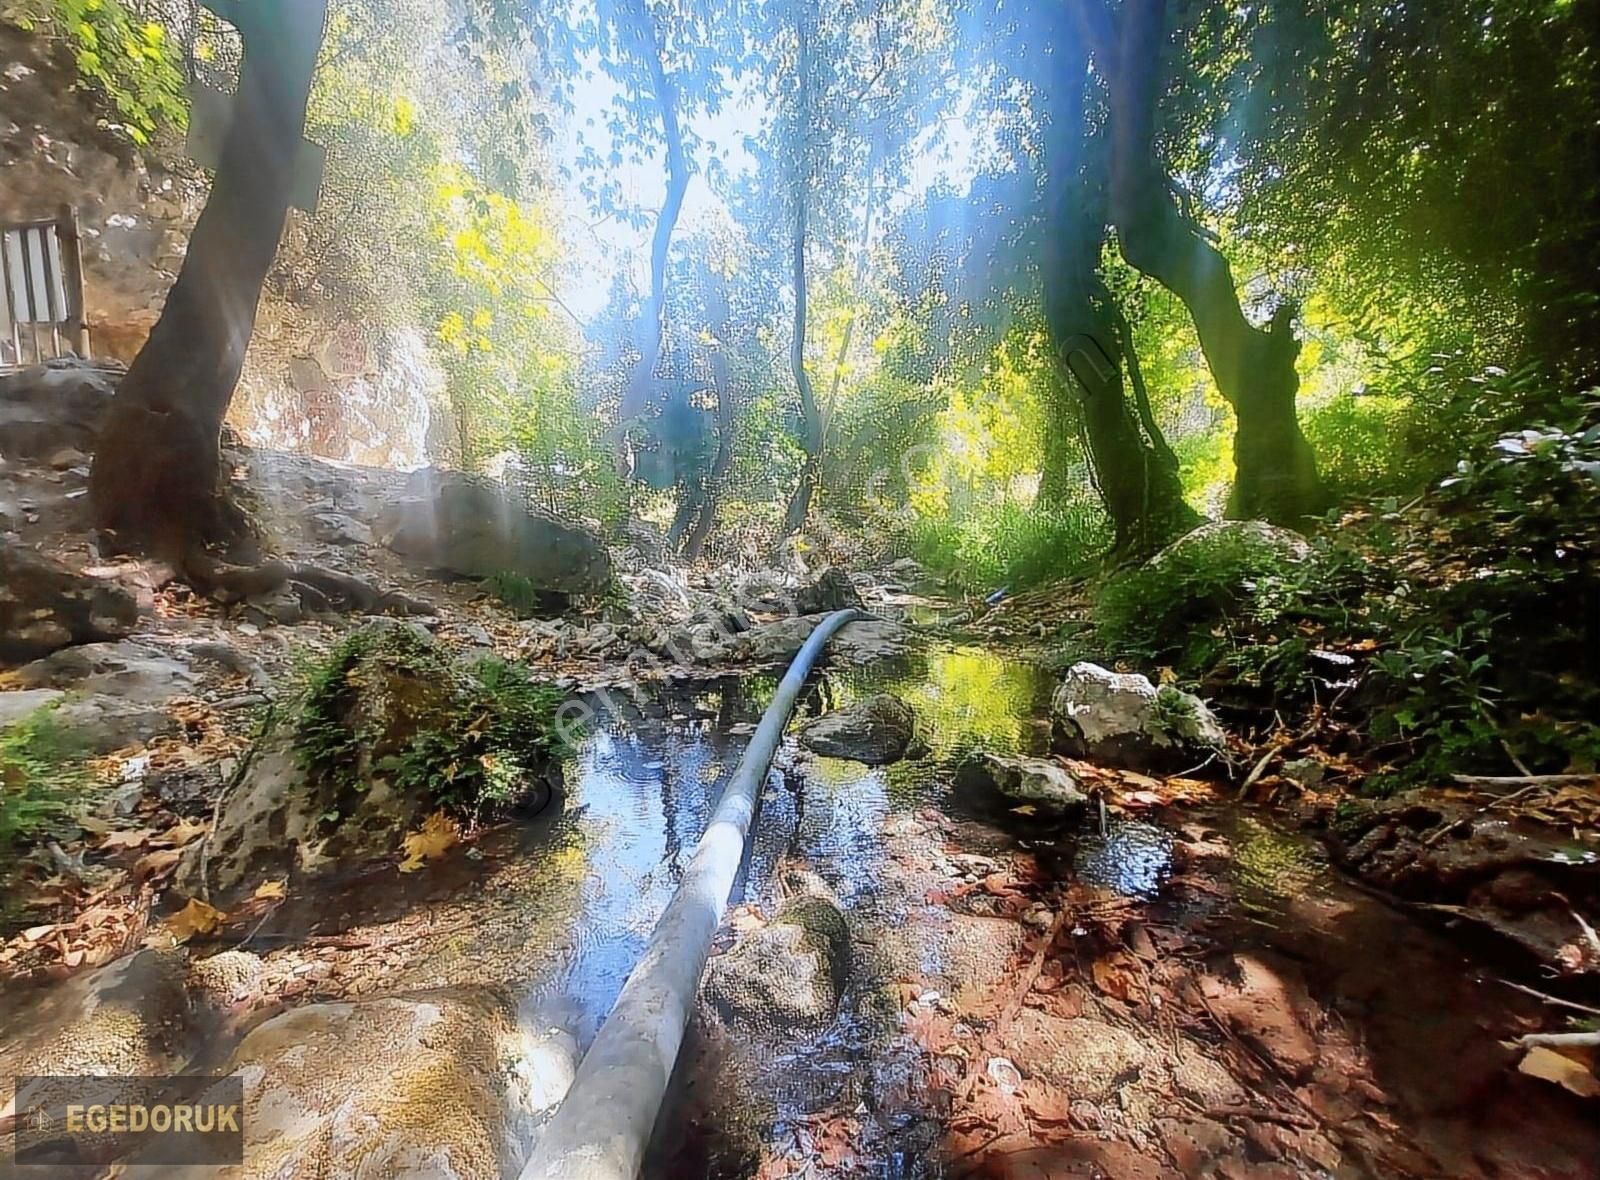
x: 134, y: 62
x: 1011, y: 546
x: 41, y: 780
x: 391, y: 702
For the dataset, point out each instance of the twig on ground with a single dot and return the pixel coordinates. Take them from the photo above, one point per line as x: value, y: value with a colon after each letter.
x: 1556, y: 1000
x: 1577, y: 1040
x: 1031, y: 975
x: 1490, y: 781
x: 1257, y: 771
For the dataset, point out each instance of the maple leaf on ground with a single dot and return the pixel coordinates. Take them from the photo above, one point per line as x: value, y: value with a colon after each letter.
x: 181, y: 833
x: 127, y: 838
x: 437, y: 836
x: 195, y: 918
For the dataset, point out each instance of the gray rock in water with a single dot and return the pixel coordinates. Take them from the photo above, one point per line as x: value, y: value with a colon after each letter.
x: 860, y: 642
x: 455, y: 1082
x: 1121, y: 719
x: 474, y: 528
x: 791, y: 971
x: 993, y: 781
x: 833, y: 590
x: 45, y: 606
x: 877, y: 730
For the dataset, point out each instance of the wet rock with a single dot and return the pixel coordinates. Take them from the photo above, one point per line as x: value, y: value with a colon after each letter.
x: 48, y: 409
x: 831, y: 590
x: 993, y: 781
x: 450, y: 1083
x: 45, y: 606
x: 1255, y: 536
x: 474, y: 528
x: 131, y: 1016
x: 1261, y: 996
x: 791, y: 971
x: 877, y: 730
x: 863, y: 642
x: 1121, y: 719
x: 1085, y: 1057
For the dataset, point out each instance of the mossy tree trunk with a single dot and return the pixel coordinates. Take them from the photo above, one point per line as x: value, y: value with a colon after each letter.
x: 157, y: 475
x: 1135, y: 474
x: 1276, y: 475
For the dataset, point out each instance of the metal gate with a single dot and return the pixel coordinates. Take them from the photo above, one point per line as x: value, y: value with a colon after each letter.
x: 41, y: 291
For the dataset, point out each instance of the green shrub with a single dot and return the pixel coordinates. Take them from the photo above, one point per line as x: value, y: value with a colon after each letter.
x: 1193, y: 602
x: 133, y: 62
x: 1011, y: 546
x: 470, y: 738
x: 42, y: 777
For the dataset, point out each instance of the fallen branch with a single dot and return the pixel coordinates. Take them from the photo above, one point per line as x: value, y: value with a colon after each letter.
x: 1556, y: 1000
x: 1577, y: 1040
x: 1030, y: 976
x: 1492, y: 781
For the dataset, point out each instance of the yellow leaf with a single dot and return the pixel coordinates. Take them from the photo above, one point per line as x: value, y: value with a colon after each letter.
x: 1168, y: 676
x: 181, y: 833
x: 159, y: 861
x: 1549, y: 1066
x: 437, y: 836
x: 126, y: 838
x: 272, y: 890
x: 195, y: 918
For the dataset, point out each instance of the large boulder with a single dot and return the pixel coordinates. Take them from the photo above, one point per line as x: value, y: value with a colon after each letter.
x: 876, y: 730
x: 453, y: 1084
x: 1121, y: 719
x: 996, y: 782
x: 474, y: 528
x: 1235, y: 541
x: 341, y: 783
x: 790, y: 972
x: 48, y: 409
x: 44, y: 606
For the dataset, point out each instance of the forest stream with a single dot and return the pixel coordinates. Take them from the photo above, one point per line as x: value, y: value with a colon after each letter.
x: 1222, y: 999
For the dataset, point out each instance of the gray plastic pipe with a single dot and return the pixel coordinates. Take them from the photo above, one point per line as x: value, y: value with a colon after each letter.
x: 601, y: 1129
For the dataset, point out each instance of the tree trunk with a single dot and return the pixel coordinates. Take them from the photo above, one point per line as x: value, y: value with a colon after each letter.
x: 647, y: 48
x: 794, y: 517
x: 157, y: 475
x: 721, y: 332
x: 1139, y: 488
x: 1276, y: 475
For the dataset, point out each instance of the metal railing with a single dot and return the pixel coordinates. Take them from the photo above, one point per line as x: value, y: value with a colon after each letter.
x: 41, y: 290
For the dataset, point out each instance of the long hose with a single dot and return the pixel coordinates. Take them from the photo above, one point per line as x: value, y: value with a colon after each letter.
x: 604, y: 1123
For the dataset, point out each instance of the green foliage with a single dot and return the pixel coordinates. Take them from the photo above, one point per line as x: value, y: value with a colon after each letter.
x: 518, y: 592
x: 41, y: 779
x: 1191, y: 603
x: 1011, y: 545
x: 132, y: 61
x: 390, y: 702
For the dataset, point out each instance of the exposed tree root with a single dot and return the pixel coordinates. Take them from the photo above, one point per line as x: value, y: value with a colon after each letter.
x: 319, y: 587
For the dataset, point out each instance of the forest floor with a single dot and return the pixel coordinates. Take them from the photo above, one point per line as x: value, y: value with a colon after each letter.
x: 1185, y: 987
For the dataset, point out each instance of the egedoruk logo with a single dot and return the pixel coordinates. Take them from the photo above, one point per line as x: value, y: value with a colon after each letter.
x: 180, y: 1119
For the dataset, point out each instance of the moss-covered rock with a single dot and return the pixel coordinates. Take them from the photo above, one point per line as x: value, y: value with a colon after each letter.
x: 388, y: 729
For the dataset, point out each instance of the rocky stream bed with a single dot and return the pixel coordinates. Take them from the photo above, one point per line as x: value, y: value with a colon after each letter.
x: 1032, y: 926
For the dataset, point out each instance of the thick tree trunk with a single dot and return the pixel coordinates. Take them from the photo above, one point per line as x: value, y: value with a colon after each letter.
x: 1139, y: 487
x: 157, y: 474
x: 1276, y: 474
x: 647, y: 49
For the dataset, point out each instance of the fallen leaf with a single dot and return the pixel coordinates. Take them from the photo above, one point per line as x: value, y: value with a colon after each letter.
x: 437, y: 836
x: 181, y: 833
x: 1549, y: 1066
x: 152, y: 864
x: 127, y: 838
x: 195, y: 918
x: 35, y: 933
x: 272, y: 890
